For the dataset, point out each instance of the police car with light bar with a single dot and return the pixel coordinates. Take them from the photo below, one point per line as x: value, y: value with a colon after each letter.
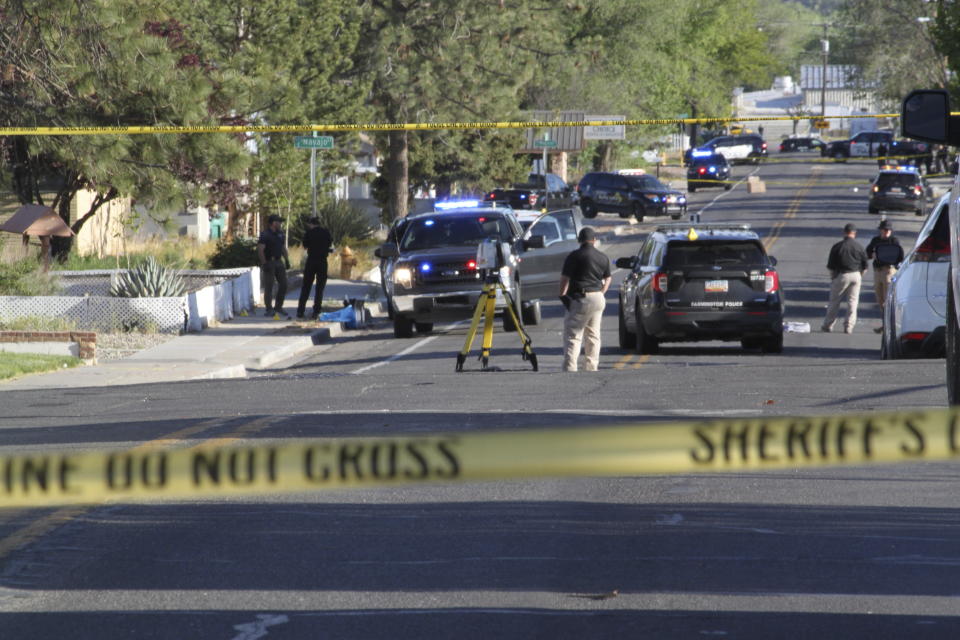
x: 708, y: 169
x: 434, y: 275
x: 898, y: 188
x: 701, y: 282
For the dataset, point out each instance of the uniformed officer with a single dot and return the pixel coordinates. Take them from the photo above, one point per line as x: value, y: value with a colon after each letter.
x: 584, y: 281
x: 272, y: 253
x: 317, y: 242
x: 887, y: 254
x: 847, y: 264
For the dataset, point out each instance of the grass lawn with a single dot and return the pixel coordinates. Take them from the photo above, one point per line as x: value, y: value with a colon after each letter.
x: 13, y: 365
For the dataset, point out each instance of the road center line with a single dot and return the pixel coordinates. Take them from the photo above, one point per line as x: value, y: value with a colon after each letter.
x: 400, y: 354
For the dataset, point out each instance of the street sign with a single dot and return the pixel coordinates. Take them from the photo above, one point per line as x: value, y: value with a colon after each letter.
x: 821, y: 124
x: 313, y: 142
x: 545, y: 143
x: 604, y: 132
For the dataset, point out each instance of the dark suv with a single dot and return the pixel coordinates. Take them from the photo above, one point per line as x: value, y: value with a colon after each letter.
x: 898, y: 189
x: 701, y: 282
x: 432, y: 274
x: 708, y: 170
x: 629, y: 195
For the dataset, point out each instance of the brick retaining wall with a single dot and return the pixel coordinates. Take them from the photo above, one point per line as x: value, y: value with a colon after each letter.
x: 86, y: 340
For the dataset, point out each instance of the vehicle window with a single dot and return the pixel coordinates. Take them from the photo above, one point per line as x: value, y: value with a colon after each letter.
x: 648, y: 183
x: 568, y: 227
x: 897, y: 180
x: 548, y: 228
x: 656, y: 256
x: 684, y: 253
x: 861, y: 137
x: 460, y: 230
x: 645, y: 254
x: 606, y: 181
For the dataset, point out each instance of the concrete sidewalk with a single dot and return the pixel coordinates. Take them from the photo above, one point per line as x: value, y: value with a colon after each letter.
x: 228, y: 350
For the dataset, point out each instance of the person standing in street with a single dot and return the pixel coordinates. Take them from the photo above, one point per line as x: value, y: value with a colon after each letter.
x: 317, y: 242
x: 887, y: 254
x: 584, y: 281
x: 847, y: 264
x: 274, y: 262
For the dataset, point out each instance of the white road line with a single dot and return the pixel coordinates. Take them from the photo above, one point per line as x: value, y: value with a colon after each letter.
x: 413, y: 347
x: 736, y: 184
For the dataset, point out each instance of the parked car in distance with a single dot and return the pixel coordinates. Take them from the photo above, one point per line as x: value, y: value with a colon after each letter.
x: 802, y: 144
x: 628, y: 195
x: 898, y: 188
x: 691, y: 282
x: 433, y: 273
x: 708, y: 169
x: 915, y: 313
x: 866, y: 144
x: 748, y: 148
x: 539, y: 192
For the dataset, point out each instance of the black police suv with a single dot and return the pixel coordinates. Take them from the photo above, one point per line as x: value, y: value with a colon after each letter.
x: 431, y: 273
x: 898, y: 188
x: 629, y: 195
x: 701, y: 282
x: 708, y: 170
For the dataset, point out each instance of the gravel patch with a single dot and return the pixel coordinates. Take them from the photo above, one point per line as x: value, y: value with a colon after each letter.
x: 115, y: 346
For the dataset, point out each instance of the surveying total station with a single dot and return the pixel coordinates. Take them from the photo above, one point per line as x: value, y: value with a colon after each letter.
x: 492, y: 256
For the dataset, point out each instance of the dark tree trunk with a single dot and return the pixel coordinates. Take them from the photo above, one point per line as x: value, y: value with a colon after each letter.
x: 398, y: 166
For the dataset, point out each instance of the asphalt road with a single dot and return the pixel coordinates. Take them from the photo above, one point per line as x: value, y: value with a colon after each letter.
x: 845, y: 553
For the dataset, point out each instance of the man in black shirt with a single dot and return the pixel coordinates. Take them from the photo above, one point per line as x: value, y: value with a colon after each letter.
x: 584, y: 280
x: 887, y: 254
x: 847, y: 264
x: 272, y: 253
x: 317, y: 242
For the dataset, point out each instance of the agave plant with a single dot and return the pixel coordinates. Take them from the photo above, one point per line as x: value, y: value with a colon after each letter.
x: 148, y: 280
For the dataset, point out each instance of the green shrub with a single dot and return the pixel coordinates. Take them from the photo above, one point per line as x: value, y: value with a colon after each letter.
x: 239, y: 252
x: 38, y: 323
x: 26, y: 278
x: 148, y: 280
x: 344, y: 220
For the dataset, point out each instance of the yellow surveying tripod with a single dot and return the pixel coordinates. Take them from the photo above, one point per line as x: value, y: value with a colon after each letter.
x: 490, y: 257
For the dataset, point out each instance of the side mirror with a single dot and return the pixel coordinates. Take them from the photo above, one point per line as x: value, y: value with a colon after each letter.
x: 533, y: 242
x: 388, y: 250
x: 772, y: 261
x: 926, y: 116
x: 376, y: 253
x: 626, y: 263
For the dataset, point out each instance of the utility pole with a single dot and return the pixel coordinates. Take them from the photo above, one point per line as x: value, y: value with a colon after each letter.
x: 825, y: 47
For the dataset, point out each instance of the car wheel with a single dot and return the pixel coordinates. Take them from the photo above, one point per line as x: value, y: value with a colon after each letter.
x: 627, y: 339
x: 953, y: 347
x: 727, y: 186
x: 645, y: 342
x: 637, y: 212
x: 390, y: 312
x: 873, y: 210
x: 531, y: 313
x: 423, y: 327
x: 919, y: 212
x: 402, y: 326
x: 588, y: 209
x: 773, y: 344
x: 750, y: 343
x: 691, y: 188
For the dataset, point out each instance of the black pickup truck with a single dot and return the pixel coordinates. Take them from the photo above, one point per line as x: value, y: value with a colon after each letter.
x: 431, y: 271
x: 538, y: 192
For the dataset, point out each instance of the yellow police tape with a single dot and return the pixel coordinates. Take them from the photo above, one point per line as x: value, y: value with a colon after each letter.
x: 704, y: 446
x: 416, y: 126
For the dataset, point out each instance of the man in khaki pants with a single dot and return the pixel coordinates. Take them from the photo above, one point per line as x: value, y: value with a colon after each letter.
x: 847, y: 263
x: 584, y: 281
